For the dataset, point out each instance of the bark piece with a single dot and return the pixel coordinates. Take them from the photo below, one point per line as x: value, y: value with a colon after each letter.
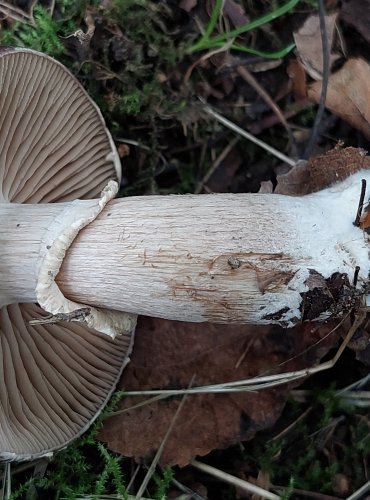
x: 321, y: 171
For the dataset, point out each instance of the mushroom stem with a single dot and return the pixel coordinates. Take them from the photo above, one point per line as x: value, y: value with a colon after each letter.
x: 244, y: 258
x: 21, y: 230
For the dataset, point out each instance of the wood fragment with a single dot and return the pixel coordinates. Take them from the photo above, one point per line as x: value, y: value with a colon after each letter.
x: 77, y: 315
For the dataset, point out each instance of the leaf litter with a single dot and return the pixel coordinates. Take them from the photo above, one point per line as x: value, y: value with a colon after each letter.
x: 146, y: 100
x: 169, y: 355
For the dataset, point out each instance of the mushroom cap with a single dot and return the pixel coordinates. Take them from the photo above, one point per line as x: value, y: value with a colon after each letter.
x: 54, y: 142
x: 56, y: 379
x: 54, y: 146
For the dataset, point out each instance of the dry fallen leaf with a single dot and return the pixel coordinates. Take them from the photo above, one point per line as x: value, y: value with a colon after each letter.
x: 188, y: 5
x: 297, y: 76
x: 235, y: 13
x: 348, y: 94
x: 168, y: 354
x: 357, y: 13
x: 309, y: 44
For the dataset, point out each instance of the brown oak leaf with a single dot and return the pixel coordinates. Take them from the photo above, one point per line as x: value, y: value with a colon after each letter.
x: 348, y: 94
x: 169, y: 354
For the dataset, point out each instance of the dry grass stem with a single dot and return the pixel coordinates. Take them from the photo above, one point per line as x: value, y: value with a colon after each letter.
x: 206, y: 56
x: 235, y: 481
x: 12, y: 12
x: 221, y: 157
x: 235, y: 128
x: 249, y: 78
x: 261, y: 382
x: 159, y: 452
x: 360, y: 492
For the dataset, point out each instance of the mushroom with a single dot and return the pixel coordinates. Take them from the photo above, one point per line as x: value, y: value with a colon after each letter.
x: 54, y: 147
x: 242, y: 258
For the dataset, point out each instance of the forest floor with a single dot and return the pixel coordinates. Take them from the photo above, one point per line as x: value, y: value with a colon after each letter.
x: 166, y: 75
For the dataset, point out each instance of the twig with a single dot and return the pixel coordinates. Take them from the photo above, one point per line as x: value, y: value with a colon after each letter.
x: 133, y: 477
x: 216, y: 164
x: 17, y: 14
x: 249, y: 78
x: 159, y: 452
x: 235, y: 128
x: 188, y: 491
x: 291, y: 426
x: 77, y: 315
x: 206, y: 56
x: 360, y: 203
x: 235, y: 481
x: 325, y: 82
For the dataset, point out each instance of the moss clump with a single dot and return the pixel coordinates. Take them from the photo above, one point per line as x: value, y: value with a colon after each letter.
x: 44, y: 35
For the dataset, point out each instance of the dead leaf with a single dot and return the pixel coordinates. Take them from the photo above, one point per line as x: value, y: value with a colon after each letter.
x: 168, y: 354
x: 348, y: 94
x: 365, y: 220
x: 235, y: 13
x: 297, y: 76
x: 309, y: 44
x: 188, y: 5
x: 357, y: 13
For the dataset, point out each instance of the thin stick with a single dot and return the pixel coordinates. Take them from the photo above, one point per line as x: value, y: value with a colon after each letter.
x: 17, y: 14
x: 232, y: 126
x: 235, y: 481
x: 133, y: 477
x: 360, y: 203
x: 216, y: 164
x: 77, y: 315
x: 158, y: 455
x: 360, y: 492
x: 250, y: 79
x: 264, y: 382
x: 206, y: 56
x: 325, y: 82
x: 189, y: 492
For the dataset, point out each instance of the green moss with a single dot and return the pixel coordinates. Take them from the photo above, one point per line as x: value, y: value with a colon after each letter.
x: 45, y: 34
x: 140, y: 100
x: 162, y: 483
x: 300, y: 458
x: 143, y: 22
x: 87, y: 467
